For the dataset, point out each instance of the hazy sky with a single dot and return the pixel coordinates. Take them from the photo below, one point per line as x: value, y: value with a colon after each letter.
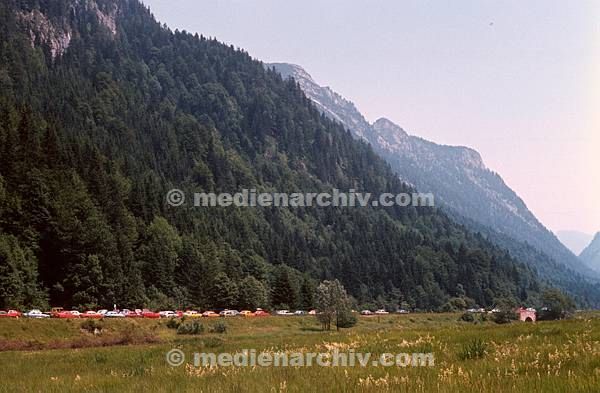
x: 518, y: 81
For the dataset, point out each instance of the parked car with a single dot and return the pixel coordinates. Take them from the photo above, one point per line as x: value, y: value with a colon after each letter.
x: 284, y: 313
x: 261, y: 313
x: 66, y: 314
x: 210, y: 314
x: 312, y: 312
x: 92, y: 315
x: 229, y: 313
x: 246, y: 313
x: 102, y: 312
x: 299, y: 312
x: 55, y: 311
x: 132, y: 314
x: 10, y: 314
x: 36, y: 314
x: 366, y: 312
x: 114, y: 314
x: 167, y: 314
x: 192, y: 314
x: 150, y: 314
x: 476, y: 310
x: 403, y: 311
x: 381, y: 312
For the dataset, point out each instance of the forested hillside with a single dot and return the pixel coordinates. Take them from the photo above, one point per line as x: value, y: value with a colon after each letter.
x: 103, y: 110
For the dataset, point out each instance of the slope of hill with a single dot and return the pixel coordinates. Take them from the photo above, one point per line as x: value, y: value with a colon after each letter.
x: 104, y: 110
x: 460, y: 181
x: 591, y: 254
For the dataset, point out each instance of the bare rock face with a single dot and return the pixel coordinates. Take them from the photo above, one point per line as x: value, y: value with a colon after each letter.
x: 43, y: 31
x: 58, y: 33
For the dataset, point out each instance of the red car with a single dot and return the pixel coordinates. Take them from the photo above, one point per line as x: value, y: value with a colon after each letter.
x: 10, y: 314
x: 92, y: 315
x: 261, y: 313
x: 66, y: 314
x: 133, y: 314
x: 150, y: 314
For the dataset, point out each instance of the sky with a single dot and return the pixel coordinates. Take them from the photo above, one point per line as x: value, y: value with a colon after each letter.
x: 517, y: 81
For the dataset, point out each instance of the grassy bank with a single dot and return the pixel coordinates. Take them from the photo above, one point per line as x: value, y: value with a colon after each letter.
x: 559, y: 356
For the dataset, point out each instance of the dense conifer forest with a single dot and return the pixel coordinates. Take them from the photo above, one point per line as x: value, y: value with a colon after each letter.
x: 94, y: 133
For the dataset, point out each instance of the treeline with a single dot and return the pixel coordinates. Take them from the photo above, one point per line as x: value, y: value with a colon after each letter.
x: 93, y: 139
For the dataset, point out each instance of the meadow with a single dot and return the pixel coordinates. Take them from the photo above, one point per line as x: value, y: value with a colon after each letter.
x: 130, y: 355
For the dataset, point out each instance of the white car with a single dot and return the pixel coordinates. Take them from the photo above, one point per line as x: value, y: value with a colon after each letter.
x: 167, y: 314
x: 229, y: 313
x: 285, y: 312
x: 36, y: 314
x: 403, y: 311
x: 381, y: 312
x: 114, y: 314
x: 366, y: 312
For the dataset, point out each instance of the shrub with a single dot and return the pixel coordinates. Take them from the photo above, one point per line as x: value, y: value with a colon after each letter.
x: 173, y: 323
x: 219, y: 327
x: 92, y: 326
x: 346, y: 319
x: 193, y: 327
x: 475, y: 349
x: 504, y: 316
x: 467, y: 317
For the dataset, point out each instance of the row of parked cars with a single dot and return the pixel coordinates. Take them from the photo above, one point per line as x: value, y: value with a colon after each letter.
x: 381, y: 312
x: 58, y: 312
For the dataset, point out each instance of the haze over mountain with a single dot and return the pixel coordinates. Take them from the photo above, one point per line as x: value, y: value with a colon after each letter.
x: 575, y: 241
x: 591, y: 254
x: 457, y: 177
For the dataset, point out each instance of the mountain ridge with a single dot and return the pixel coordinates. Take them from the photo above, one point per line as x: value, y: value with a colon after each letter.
x: 456, y: 175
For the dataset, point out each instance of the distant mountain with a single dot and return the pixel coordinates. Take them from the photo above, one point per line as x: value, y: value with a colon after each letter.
x: 456, y: 175
x: 591, y: 254
x: 574, y: 240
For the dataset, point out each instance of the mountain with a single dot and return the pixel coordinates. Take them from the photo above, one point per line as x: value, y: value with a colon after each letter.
x: 574, y: 240
x: 591, y: 254
x: 458, y: 178
x: 104, y: 110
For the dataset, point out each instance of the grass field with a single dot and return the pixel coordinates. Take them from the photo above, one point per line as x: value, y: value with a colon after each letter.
x: 58, y: 356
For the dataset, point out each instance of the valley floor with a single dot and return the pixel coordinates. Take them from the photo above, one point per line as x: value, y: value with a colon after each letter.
x: 130, y: 355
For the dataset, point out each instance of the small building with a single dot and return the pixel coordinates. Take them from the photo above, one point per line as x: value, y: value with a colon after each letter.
x: 527, y: 314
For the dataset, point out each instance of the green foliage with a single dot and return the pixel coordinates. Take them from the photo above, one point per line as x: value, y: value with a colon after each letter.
x: 345, y: 318
x: 18, y: 276
x: 92, y: 326
x: 454, y: 304
x: 556, y: 305
x: 190, y: 327
x: 219, y: 327
x: 474, y: 349
x: 505, y: 311
x: 253, y: 294
x: 467, y: 317
x: 333, y: 305
x: 174, y: 323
